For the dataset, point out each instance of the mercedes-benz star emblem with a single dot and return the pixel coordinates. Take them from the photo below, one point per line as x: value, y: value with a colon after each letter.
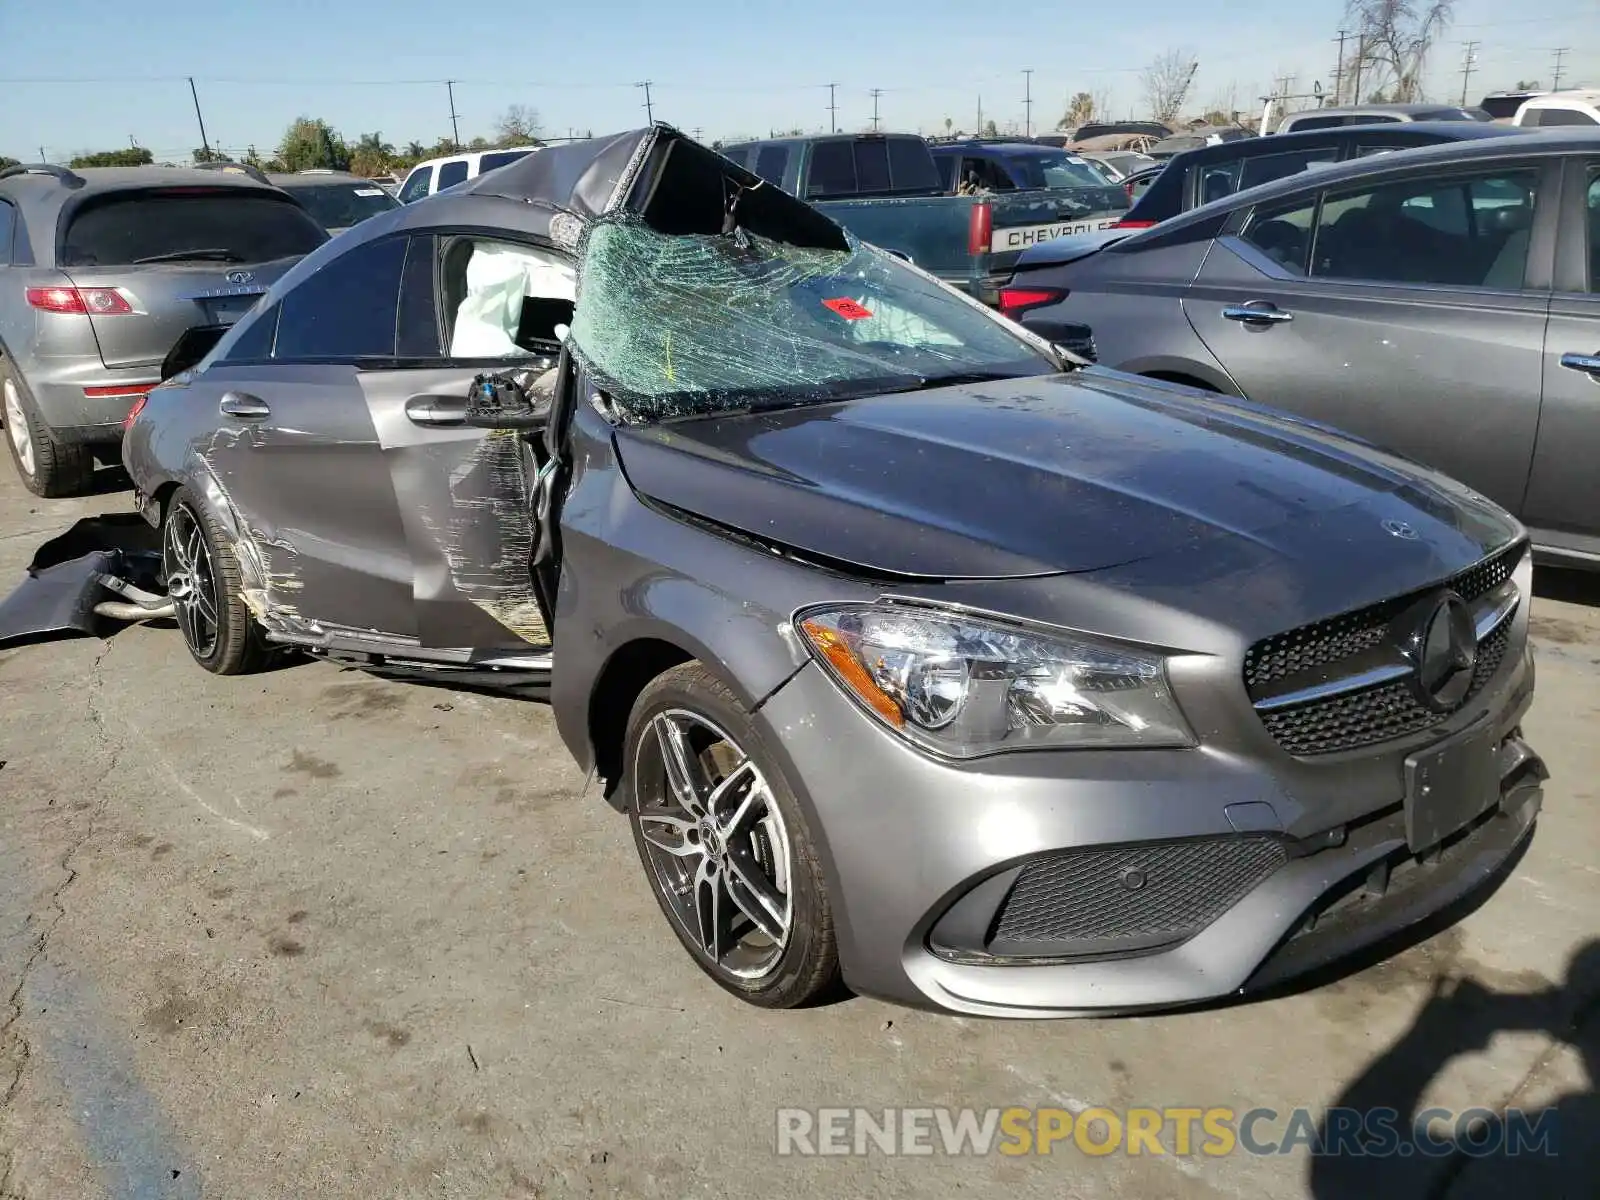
x: 1399, y: 529
x: 240, y: 276
x: 1446, y: 654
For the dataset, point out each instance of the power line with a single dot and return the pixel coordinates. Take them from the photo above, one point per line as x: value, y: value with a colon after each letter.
x: 1468, y: 61
x: 649, y: 109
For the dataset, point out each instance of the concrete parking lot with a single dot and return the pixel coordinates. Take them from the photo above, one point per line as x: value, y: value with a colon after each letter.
x: 318, y: 934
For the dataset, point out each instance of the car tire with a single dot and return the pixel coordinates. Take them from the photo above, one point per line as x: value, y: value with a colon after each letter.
x: 46, y: 466
x: 203, y: 578
x: 749, y: 850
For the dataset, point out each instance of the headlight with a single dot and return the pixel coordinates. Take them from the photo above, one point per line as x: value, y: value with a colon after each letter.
x: 963, y: 686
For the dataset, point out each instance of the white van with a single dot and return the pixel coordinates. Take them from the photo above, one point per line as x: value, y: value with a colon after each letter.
x: 1560, y: 108
x: 436, y: 174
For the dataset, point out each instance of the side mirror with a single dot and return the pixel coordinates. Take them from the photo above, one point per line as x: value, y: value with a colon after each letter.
x: 518, y: 400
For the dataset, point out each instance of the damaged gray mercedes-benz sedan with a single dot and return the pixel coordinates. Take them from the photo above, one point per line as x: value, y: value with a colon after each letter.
x: 915, y: 651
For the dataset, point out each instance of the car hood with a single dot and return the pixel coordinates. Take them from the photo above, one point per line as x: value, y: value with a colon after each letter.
x: 1052, y: 474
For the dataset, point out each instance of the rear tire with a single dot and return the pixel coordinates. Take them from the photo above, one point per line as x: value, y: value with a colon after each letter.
x: 46, y: 466
x: 203, y: 578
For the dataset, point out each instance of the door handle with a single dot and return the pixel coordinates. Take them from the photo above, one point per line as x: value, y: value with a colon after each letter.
x: 1257, y: 312
x: 1589, y: 364
x: 437, y: 411
x: 244, y: 406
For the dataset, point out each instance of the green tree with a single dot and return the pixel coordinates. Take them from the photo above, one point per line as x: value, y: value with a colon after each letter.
x: 1080, y: 111
x: 205, y: 154
x: 8, y: 162
x: 517, y: 126
x: 1526, y: 85
x: 990, y: 129
x: 372, y: 156
x: 414, y: 151
x: 480, y: 143
x: 311, y: 143
x: 133, y: 156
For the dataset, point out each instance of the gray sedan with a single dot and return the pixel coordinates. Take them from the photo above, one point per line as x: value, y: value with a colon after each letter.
x: 1441, y: 302
x: 915, y: 655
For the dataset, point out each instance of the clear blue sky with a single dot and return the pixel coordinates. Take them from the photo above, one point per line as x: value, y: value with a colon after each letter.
x: 97, y: 72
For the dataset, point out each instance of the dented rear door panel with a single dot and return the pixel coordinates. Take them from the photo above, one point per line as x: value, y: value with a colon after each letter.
x: 311, y: 488
x: 465, y: 512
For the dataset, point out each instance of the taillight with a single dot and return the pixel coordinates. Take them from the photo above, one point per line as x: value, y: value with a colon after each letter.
x: 980, y: 228
x: 1127, y: 224
x: 99, y: 302
x: 135, y: 410
x: 1015, y: 301
x: 117, y: 389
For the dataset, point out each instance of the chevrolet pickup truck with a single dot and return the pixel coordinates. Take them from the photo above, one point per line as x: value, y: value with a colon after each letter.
x: 886, y: 189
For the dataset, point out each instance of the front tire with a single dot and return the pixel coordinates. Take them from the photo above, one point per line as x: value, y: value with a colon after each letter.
x: 202, y: 577
x: 47, y: 467
x: 725, y: 846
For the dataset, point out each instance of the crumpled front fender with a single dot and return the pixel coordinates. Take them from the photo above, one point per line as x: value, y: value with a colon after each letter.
x: 102, y: 563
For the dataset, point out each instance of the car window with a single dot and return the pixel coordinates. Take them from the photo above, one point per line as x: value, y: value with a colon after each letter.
x: 225, y: 225
x: 8, y: 224
x: 1560, y: 116
x: 504, y: 301
x: 346, y: 309
x: 1462, y: 231
x: 736, y: 154
x: 872, y: 167
x: 833, y: 170
x: 1283, y: 233
x: 341, y: 205
x: 1594, y: 230
x: 1315, y: 123
x: 771, y: 163
x: 451, y: 173
x: 682, y: 326
x: 251, y: 340
x: 1219, y: 180
x: 416, y: 185
x: 911, y: 166
x: 500, y: 158
x: 1056, y: 169
x: 416, y: 327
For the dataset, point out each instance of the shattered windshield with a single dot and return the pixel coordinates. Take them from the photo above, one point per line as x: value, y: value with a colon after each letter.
x: 678, y: 326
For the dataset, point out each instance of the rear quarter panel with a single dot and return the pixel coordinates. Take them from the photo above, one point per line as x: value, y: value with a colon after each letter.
x: 1133, y: 306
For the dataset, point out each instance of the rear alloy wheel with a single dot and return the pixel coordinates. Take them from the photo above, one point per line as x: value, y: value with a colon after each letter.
x: 48, y: 468
x: 202, y: 577
x: 725, y: 847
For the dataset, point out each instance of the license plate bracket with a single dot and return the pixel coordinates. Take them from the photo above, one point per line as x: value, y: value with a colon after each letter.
x: 1450, y: 784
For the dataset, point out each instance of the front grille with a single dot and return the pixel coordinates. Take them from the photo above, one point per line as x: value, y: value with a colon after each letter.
x: 1129, y: 898
x: 1378, y: 714
x: 1352, y: 720
x: 1341, y: 637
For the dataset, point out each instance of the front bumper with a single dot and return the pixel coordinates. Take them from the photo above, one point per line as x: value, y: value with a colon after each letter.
x: 924, y: 856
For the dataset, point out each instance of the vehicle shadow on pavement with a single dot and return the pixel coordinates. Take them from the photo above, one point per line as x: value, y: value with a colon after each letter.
x: 1525, y: 1139
x: 1568, y: 586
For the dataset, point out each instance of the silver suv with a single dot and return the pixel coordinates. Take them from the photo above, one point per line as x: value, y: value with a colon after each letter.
x: 102, y: 273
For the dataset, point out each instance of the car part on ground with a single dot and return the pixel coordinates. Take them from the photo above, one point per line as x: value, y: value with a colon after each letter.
x: 976, y: 714
x: 85, y: 582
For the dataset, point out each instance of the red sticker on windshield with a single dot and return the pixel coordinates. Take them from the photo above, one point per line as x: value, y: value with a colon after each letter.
x: 848, y: 309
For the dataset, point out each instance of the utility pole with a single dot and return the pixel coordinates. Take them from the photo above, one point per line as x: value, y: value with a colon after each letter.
x: 42, y: 158
x: 1361, y: 55
x: 876, y: 92
x: 833, y: 110
x: 1555, y: 75
x: 1338, y: 72
x: 455, y: 125
x: 204, y: 145
x: 979, y: 132
x: 1027, y: 102
x: 1468, y: 61
x: 698, y: 130
x: 649, y: 109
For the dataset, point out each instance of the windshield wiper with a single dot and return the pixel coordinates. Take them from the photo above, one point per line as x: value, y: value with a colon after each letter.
x: 214, y: 254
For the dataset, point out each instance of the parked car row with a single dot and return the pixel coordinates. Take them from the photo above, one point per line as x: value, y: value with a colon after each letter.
x: 917, y: 654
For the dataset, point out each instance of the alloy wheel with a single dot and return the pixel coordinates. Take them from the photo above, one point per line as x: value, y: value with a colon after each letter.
x: 716, y: 843
x: 191, y: 582
x: 17, y: 426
